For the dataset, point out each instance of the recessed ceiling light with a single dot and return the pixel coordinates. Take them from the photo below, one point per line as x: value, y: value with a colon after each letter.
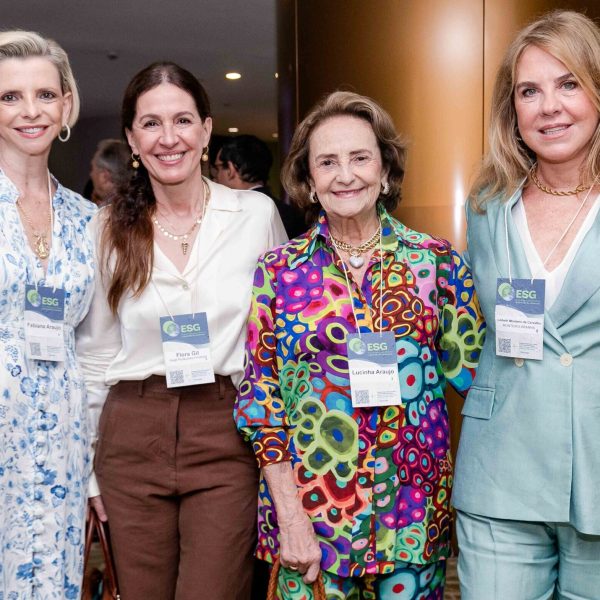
x: 275, y: 135
x: 276, y: 75
x: 233, y: 129
x: 233, y: 75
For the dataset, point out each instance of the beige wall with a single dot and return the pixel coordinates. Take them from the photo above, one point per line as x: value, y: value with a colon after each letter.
x: 431, y: 64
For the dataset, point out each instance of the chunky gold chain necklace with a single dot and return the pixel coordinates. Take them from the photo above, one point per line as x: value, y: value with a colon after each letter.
x: 533, y: 175
x: 41, y: 246
x: 184, y: 237
x: 356, y: 259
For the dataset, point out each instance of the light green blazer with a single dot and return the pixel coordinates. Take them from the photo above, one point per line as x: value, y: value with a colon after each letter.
x: 530, y: 442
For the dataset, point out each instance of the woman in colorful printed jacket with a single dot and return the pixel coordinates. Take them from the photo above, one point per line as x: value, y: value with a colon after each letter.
x: 355, y: 328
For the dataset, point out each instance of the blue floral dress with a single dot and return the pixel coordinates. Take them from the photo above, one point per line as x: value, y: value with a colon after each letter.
x: 44, y: 454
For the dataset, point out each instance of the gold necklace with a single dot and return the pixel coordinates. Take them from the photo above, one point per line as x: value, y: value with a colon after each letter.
x: 41, y: 246
x: 533, y: 175
x: 185, y: 236
x: 356, y: 259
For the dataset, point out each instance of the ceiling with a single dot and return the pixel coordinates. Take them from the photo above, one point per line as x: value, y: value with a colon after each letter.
x: 208, y: 37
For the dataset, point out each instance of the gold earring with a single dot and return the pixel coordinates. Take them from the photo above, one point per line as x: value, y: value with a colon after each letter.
x: 135, y: 161
x: 204, y: 157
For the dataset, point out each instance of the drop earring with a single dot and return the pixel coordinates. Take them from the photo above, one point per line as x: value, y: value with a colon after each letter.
x: 135, y: 161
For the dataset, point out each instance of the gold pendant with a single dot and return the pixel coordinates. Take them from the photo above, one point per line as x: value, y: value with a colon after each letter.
x: 41, y: 247
x: 184, y: 247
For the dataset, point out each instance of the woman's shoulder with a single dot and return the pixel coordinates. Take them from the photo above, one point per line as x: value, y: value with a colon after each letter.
x: 76, y: 205
x: 416, y: 239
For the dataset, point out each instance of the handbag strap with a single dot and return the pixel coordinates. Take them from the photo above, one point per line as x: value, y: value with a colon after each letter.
x: 94, y: 524
x: 318, y: 585
x: 90, y: 528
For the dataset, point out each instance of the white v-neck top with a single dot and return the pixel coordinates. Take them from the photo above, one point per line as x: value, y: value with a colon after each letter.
x: 555, y: 278
x: 238, y: 227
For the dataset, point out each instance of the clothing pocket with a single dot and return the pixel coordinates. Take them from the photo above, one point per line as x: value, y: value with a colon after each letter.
x: 479, y: 403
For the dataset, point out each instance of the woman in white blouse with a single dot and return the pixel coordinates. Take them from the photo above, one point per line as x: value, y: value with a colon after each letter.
x: 163, y: 344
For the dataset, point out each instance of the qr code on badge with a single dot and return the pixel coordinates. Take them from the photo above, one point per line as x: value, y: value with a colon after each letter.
x: 361, y: 397
x: 176, y: 377
x: 35, y: 348
x: 504, y: 345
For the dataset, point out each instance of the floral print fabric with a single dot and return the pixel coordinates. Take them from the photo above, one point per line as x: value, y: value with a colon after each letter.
x: 375, y: 482
x: 44, y: 459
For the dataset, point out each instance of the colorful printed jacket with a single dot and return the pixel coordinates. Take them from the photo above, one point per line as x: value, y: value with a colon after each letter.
x: 376, y: 482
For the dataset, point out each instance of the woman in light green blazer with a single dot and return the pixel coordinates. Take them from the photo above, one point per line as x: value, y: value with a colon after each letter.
x: 527, y: 486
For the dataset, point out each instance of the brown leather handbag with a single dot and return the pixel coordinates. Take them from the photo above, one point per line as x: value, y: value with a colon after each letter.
x: 94, y: 580
x: 318, y: 585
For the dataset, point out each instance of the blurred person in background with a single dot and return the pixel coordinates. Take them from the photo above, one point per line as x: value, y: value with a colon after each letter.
x: 110, y: 169
x: 244, y: 163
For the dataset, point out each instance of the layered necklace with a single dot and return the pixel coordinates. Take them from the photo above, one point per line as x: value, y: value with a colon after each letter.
x: 184, y: 237
x: 355, y: 253
x: 533, y: 176
x: 41, y: 245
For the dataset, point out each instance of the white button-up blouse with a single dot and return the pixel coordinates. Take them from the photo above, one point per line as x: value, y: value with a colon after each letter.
x: 238, y: 227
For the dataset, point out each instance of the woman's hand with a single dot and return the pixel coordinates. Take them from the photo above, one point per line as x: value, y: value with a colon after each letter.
x: 298, y: 546
x: 98, y: 505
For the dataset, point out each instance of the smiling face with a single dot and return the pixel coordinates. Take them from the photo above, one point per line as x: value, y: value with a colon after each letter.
x: 556, y: 117
x: 168, y: 134
x: 33, y: 108
x: 345, y: 167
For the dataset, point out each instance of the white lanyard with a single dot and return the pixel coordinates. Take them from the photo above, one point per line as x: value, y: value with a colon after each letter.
x: 350, y: 287
x: 560, y: 239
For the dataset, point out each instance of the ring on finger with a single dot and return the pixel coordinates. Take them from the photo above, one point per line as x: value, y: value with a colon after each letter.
x: 292, y: 567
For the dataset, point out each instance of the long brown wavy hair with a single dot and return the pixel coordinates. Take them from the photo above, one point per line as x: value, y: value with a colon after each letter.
x: 128, y: 236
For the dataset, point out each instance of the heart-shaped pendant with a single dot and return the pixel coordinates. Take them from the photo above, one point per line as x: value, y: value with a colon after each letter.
x: 357, y: 261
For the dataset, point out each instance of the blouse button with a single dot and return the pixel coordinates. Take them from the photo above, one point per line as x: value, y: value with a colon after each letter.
x: 185, y: 286
x: 38, y: 527
x: 38, y: 512
x: 566, y: 360
x: 40, y: 438
x: 519, y: 362
x: 38, y: 478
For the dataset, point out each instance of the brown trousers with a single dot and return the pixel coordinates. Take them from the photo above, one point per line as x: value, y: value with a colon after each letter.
x: 180, y: 489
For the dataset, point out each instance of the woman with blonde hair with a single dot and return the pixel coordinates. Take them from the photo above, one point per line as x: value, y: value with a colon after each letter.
x: 527, y: 485
x: 46, y: 280
x: 355, y: 329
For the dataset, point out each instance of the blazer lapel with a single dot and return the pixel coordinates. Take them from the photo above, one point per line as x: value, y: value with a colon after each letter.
x: 583, y: 278
x: 509, y: 248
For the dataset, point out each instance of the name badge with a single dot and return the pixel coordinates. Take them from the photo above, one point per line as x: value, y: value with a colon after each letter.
x: 373, y: 368
x: 520, y: 318
x: 186, y: 350
x: 44, y: 316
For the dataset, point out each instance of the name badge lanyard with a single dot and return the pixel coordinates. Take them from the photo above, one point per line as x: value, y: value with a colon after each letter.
x: 186, y: 342
x: 560, y: 239
x: 372, y: 360
x: 193, y: 298
x: 520, y: 303
x: 45, y: 307
x: 337, y: 251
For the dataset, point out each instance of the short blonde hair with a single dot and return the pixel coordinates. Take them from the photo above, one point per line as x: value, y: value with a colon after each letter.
x: 26, y: 44
x: 573, y: 39
x: 295, y: 172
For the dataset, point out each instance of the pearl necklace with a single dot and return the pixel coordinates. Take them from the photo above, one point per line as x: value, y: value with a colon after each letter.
x: 185, y: 236
x: 356, y: 259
